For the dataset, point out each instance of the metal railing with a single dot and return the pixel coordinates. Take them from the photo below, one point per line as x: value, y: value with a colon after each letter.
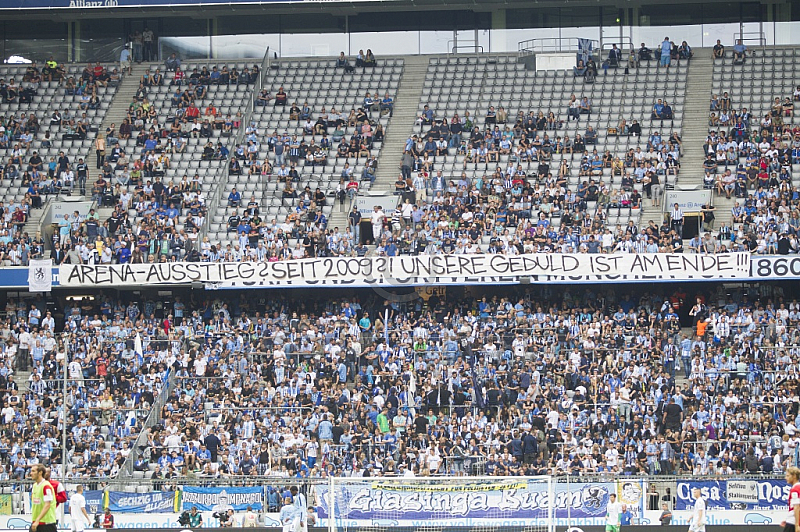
x: 270, y: 482
x: 152, y: 419
x: 554, y: 44
x: 471, y: 46
x: 757, y: 38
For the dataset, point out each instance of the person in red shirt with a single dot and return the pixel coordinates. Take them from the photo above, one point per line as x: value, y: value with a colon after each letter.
x: 793, y: 479
x: 108, y: 520
x: 58, y: 488
x: 101, y: 366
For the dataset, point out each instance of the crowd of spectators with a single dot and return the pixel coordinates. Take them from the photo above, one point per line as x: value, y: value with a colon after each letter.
x: 560, y: 381
x: 33, y: 162
x: 115, y: 356
x: 751, y: 161
x: 155, y: 217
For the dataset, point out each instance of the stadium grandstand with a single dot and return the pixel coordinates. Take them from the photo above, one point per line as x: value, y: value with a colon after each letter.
x: 441, y: 266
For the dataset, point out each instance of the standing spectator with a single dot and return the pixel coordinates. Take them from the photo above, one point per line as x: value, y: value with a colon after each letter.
x: 378, y: 217
x: 137, y: 46
x: 666, y: 50
x: 676, y: 219
x: 148, y: 44
x: 125, y: 60
x: 354, y: 220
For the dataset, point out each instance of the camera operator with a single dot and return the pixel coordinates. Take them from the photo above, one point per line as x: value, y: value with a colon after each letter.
x: 225, y: 518
x: 195, y: 518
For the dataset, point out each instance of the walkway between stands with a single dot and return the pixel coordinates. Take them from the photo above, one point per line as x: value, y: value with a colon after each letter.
x: 695, y: 129
x: 118, y: 110
x: 402, y: 124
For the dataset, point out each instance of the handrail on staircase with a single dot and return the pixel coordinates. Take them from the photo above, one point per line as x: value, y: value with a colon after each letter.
x: 220, y: 178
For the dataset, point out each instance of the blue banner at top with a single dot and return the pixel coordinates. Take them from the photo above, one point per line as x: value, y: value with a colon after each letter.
x: 152, y: 502
x: 735, y: 494
x: 219, y: 499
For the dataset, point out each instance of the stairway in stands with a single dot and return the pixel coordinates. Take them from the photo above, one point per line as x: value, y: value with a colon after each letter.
x: 117, y: 111
x: 400, y: 127
x: 695, y: 127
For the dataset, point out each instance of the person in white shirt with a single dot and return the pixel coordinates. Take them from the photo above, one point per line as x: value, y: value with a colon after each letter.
x: 287, y: 515
x: 249, y: 520
x: 77, y: 511
x: 300, y: 513
x: 378, y: 217
x: 613, y: 512
x: 697, y: 523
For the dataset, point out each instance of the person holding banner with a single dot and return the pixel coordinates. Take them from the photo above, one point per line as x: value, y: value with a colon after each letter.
x: 697, y: 523
x: 287, y: 515
x: 793, y: 479
x: 301, y: 515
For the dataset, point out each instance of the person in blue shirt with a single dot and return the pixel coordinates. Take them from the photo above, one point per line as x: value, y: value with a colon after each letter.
x: 666, y: 49
x: 234, y: 198
x: 287, y: 515
x: 739, y: 51
x: 125, y: 60
x: 626, y: 516
x: 387, y: 104
x: 222, y: 152
x: 124, y: 255
x: 426, y: 118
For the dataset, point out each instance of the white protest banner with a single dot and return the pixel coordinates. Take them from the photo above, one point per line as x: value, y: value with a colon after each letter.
x: 416, y: 271
x: 742, y: 491
x: 775, y: 267
x: 40, y: 275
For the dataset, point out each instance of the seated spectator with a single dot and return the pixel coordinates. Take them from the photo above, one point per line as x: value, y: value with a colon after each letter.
x: 685, y: 51
x: 667, y: 112
x: 645, y: 53
x: 387, y: 104
x: 590, y: 136
x: 491, y: 116
x: 280, y: 97
x: 173, y: 63
x: 369, y: 60
x: 718, y: 52
x: 658, y: 110
x: 426, y: 117
x: 586, y: 106
x: 739, y: 52
x: 579, y: 70
x: 574, y: 108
